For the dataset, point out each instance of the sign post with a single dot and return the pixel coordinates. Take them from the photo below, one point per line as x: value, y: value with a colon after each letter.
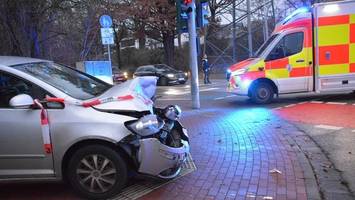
x: 106, y: 33
x: 195, y: 93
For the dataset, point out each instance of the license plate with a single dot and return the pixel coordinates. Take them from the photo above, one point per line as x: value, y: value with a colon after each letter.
x: 181, y: 79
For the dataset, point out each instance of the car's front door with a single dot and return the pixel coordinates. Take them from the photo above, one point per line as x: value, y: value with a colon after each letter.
x: 22, y: 152
x: 289, y: 62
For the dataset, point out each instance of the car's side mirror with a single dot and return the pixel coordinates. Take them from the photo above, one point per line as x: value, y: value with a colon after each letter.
x: 23, y: 101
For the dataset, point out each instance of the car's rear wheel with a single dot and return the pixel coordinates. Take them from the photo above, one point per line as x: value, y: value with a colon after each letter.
x: 97, y: 172
x: 262, y: 93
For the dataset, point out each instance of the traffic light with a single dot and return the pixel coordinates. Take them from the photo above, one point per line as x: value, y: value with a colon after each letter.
x: 204, y: 13
x: 183, y: 10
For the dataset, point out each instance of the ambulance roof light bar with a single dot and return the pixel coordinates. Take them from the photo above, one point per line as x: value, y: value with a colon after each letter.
x: 300, y: 11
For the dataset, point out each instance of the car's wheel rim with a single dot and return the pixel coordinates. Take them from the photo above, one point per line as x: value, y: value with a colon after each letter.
x: 96, y: 173
x: 263, y: 93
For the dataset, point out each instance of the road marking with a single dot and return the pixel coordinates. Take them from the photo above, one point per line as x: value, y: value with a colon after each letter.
x: 229, y: 96
x: 174, y: 99
x: 317, y: 102
x: 353, y: 131
x: 303, y: 102
x: 208, y: 89
x: 277, y: 108
x: 328, y: 127
x: 336, y: 103
x: 219, y: 98
x: 291, y: 105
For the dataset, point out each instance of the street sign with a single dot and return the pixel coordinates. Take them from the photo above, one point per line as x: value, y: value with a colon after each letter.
x: 107, y: 36
x: 107, y: 40
x: 105, y: 21
x: 106, y: 32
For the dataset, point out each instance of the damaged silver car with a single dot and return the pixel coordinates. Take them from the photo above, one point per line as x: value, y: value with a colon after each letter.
x: 61, y: 124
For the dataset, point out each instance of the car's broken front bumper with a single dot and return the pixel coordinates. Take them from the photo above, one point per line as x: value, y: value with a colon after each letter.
x: 155, y: 157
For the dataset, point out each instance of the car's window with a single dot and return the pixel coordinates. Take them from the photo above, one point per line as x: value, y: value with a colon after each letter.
x: 289, y: 45
x: 265, y: 45
x: 149, y: 69
x: 140, y: 69
x: 72, y: 82
x: 11, y: 86
x: 164, y: 68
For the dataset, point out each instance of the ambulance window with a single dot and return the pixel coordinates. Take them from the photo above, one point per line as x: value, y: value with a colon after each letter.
x: 293, y: 43
x: 289, y: 45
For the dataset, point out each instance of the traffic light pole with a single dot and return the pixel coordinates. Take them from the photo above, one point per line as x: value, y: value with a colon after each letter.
x: 195, y: 93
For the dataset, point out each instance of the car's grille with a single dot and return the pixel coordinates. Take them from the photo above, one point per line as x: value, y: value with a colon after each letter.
x: 180, y: 76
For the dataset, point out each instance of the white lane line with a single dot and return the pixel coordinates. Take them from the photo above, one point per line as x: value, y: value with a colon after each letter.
x: 353, y: 131
x: 291, y: 105
x: 229, y: 96
x: 219, y: 98
x: 173, y: 99
x: 303, y: 102
x: 354, y: 104
x: 328, y: 127
x: 336, y: 103
x: 278, y: 108
x: 317, y: 102
x: 208, y: 89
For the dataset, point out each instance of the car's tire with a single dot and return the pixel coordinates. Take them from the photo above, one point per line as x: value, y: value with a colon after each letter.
x: 163, y: 81
x: 102, y: 180
x: 262, y: 93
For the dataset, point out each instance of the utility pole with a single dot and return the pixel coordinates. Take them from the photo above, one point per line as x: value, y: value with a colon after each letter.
x: 195, y: 93
x: 266, y: 21
x: 233, y: 38
x: 250, y: 39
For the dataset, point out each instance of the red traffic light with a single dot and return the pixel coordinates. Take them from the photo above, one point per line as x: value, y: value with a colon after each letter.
x: 187, y: 1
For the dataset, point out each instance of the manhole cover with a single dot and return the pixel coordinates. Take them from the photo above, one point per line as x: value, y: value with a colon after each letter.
x: 142, y: 188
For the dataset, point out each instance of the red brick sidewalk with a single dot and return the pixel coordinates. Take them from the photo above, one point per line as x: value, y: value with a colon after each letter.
x: 234, y: 152
x: 316, y: 113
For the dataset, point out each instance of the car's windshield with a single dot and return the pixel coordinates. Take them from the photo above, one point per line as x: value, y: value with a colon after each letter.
x: 164, y: 68
x: 266, y: 44
x: 74, y: 83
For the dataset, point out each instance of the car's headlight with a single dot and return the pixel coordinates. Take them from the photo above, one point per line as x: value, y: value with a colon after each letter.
x: 125, y: 74
x: 186, y: 73
x: 239, y: 72
x: 170, y: 75
x: 147, y: 125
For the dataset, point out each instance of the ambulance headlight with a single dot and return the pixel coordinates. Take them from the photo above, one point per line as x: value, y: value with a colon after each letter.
x: 246, y: 83
x: 239, y: 72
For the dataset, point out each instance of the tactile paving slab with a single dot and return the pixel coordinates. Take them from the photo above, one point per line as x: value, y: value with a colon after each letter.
x: 141, y: 188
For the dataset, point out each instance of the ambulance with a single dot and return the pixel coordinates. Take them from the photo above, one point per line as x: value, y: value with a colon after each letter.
x: 310, y: 51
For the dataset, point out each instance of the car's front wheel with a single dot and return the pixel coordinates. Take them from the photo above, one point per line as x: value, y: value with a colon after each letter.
x: 262, y: 93
x: 97, y: 172
x: 163, y: 81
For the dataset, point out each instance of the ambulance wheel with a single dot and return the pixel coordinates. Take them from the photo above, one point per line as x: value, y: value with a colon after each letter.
x: 97, y: 172
x: 262, y: 93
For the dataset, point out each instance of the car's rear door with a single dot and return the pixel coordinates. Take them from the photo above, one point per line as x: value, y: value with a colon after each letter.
x: 22, y: 152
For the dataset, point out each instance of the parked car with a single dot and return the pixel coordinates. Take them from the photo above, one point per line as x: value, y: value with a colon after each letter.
x: 119, y: 76
x: 166, y: 75
x: 62, y: 124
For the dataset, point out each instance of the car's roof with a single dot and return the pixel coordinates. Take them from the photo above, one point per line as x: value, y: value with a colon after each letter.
x: 15, y: 60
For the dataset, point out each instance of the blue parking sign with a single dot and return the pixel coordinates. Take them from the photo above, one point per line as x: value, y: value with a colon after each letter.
x: 105, y: 21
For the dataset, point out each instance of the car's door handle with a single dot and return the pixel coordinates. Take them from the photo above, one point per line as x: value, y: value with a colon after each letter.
x: 299, y: 61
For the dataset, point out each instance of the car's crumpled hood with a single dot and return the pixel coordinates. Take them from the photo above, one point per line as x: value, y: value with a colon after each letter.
x: 243, y: 64
x: 141, y: 88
